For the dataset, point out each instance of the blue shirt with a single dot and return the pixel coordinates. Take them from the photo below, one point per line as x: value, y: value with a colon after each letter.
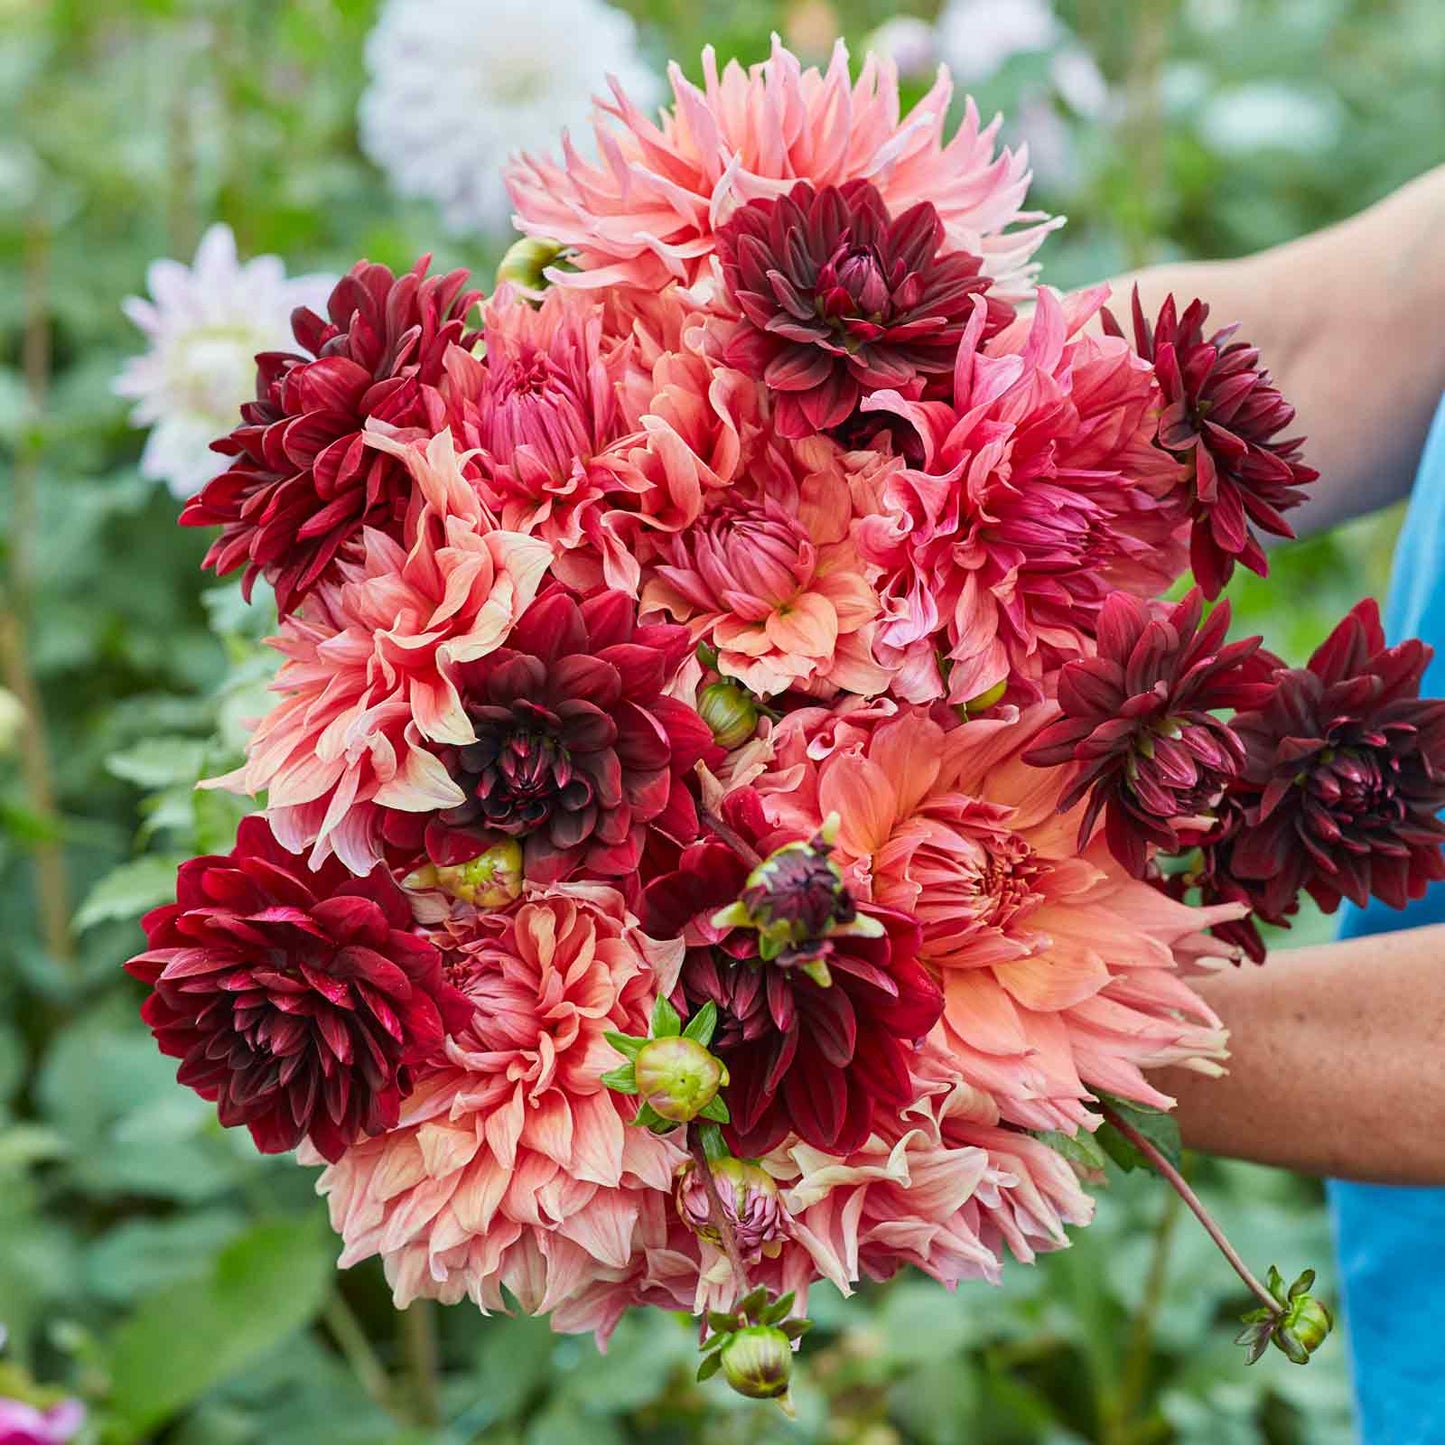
x: 1391, y: 1239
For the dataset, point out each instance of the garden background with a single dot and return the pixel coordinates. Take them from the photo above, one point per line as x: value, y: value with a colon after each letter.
x: 157, y: 1266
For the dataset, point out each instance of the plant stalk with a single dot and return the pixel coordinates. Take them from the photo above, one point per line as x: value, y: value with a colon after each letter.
x: 732, y: 838
x: 357, y: 1350
x: 419, y: 1345
x: 718, y: 1215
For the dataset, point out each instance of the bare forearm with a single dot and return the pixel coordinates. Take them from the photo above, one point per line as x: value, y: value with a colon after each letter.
x: 1349, y: 320
x: 1337, y: 1061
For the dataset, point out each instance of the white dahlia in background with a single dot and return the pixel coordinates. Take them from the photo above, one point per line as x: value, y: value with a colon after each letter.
x: 205, y: 323
x: 977, y: 38
x: 456, y: 88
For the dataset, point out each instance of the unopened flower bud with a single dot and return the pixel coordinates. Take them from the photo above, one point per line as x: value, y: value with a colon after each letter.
x: 678, y: 1077
x: 1308, y: 1321
x: 730, y: 711
x: 750, y: 1201
x: 491, y: 880
x: 757, y: 1361
x: 985, y: 700
x: 525, y: 262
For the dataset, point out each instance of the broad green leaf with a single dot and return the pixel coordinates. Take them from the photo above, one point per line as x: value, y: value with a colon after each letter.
x: 271, y: 1281
x: 1159, y: 1128
x: 159, y: 762
x: 130, y: 890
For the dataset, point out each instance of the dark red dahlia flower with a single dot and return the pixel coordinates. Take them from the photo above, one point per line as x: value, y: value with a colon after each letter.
x: 1342, y: 783
x: 578, y: 748
x: 817, y: 1038
x: 304, y: 482
x: 1138, y: 718
x: 1222, y: 418
x: 299, y: 1002
x: 839, y: 298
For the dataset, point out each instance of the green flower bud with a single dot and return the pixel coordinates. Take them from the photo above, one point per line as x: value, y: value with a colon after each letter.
x: 1308, y: 1321
x: 985, y: 700
x: 525, y: 261
x: 757, y: 1361
x: 730, y: 710
x: 491, y: 880
x: 678, y: 1077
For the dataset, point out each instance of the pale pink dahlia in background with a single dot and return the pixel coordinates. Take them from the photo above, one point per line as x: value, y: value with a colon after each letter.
x: 368, y: 678
x: 1029, y: 496
x: 513, y: 1166
x: 205, y: 323
x: 773, y: 582
x: 1058, y: 970
x: 646, y: 213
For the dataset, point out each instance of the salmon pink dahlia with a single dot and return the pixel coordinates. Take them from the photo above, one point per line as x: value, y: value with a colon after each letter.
x: 301, y: 1003
x: 646, y: 214
x: 371, y: 661
x: 304, y: 482
x: 512, y: 1166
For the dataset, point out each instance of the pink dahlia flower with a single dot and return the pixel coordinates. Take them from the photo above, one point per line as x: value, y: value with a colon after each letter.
x: 369, y: 675
x: 540, y: 406
x: 1058, y: 970
x: 646, y: 214
x: 774, y: 583
x: 24, y: 1424
x: 1034, y: 497
x: 512, y: 1166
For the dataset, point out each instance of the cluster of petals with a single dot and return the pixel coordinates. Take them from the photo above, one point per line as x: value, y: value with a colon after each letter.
x: 1058, y: 970
x: 1032, y: 498
x: 369, y: 676
x: 512, y: 1166
x: 646, y: 212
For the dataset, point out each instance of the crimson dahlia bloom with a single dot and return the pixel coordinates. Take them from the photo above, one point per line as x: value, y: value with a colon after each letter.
x: 822, y: 1060
x: 304, y: 483
x: 1222, y: 418
x: 1138, y: 718
x: 839, y: 298
x: 1341, y: 786
x: 300, y: 1002
x: 578, y: 748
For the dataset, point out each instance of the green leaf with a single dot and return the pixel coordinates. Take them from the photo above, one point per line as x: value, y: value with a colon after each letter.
x: 129, y: 891
x: 1159, y: 1128
x: 710, y: 1366
x: 186, y: 1339
x: 623, y: 1080
x: 716, y: 1110
x: 625, y: 1044
x: 159, y: 762
x: 702, y: 1025
x: 666, y: 1021
x: 1082, y: 1149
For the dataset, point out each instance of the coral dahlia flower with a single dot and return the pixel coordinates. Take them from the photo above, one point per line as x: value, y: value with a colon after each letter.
x: 512, y: 1166
x: 571, y: 743
x: 305, y: 482
x: 371, y: 662
x: 838, y: 298
x: 1027, y: 507
x: 1222, y: 419
x: 301, y: 1003
x: 774, y: 583
x: 1057, y: 969
x: 646, y: 214
x: 1341, y: 787
x: 1138, y: 718
x: 819, y: 1055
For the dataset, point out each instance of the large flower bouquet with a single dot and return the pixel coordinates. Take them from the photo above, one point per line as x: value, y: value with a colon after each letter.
x: 740, y: 810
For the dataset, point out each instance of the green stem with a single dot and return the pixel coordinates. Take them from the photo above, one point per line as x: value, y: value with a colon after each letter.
x: 352, y: 1341
x: 1141, y: 1345
x: 1180, y: 1185
x: 419, y: 1345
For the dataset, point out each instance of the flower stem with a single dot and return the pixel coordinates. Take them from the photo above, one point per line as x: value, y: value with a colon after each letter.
x: 736, y: 842
x: 419, y: 1343
x: 1180, y: 1185
x: 52, y: 885
x: 351, y: 1340
x: 1135, y: 1373
x: 717, y: 1214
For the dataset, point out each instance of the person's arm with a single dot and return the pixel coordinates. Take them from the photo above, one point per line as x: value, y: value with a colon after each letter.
x: 1351, y: 321
x: 1337, y: 1061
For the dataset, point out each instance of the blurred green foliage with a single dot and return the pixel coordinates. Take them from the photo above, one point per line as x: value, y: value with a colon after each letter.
x: 158, y: 1266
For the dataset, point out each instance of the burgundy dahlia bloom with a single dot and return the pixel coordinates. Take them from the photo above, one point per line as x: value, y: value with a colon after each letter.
x: 820, y: 1052
x: 1138, y: 719
x: 299, y: 1002
x: 304, y: 482
x: 1342, y: 783
x: 1222, y: 419
x: 839, y: 298
x: 579, y: 750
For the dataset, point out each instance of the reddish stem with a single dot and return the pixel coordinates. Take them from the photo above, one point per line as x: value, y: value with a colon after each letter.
x: 716, y: 1213
x: 731, y: 837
